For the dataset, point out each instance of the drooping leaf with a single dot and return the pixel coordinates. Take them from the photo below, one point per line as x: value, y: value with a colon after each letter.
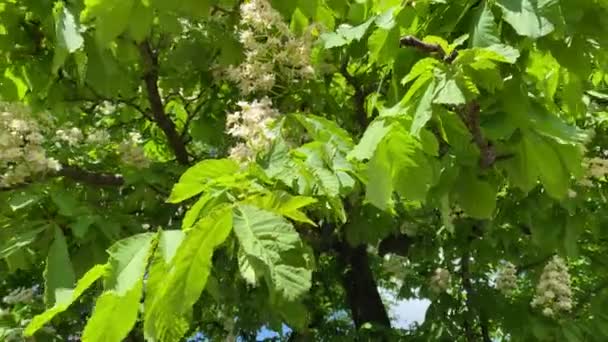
x: 182, y: 283
x: 484, y: 31
x: 59, y: 273
x: 67, y: 34
x: 374, y: 133
x: 424, y: 110
x: 528, y: 17
x: 268, y: 239
x: 65, y: 298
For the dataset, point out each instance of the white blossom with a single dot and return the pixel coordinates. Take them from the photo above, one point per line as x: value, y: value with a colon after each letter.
x: 440, y: 281
x: 272, y: 52
x: 132, y: 154
x: 506, y: 280
x: 252, y: 124
x: 553, y: 292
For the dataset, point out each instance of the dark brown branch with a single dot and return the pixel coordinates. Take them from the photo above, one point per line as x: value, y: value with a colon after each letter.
x: 414, y: 42
x: 359, y: 97
x: 92, y: 178
x: 150, y: 68
x: 468, y: 289
x: 469, y: 114
x: 79, y: 175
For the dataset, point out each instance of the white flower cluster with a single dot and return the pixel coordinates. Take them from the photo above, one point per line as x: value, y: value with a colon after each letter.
x: 440, y: 281
x: 252, y: 124
x: 72, y: 136
x: 98, y: 137
x: 21, y: 151
x: 131, y: 152
x: 19, y: 295
x: 506, y: 280
x: 271, y: 50
x: 597, y: 168
x: 553, y: 292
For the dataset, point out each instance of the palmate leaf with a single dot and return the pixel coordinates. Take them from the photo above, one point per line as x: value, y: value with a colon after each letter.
x: 178, y: 287
x: 111, y: 17
x: 273, y: 249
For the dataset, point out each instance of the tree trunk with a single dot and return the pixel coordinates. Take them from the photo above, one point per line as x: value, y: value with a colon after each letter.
x: 362, y: 292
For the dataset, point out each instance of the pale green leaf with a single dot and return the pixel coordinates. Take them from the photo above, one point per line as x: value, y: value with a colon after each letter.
x: 269, y: 239
x: 195, y: 179
x: 374, y: 133
x: 528, y: 17
x: 59, y: 273
x: 424, y: 110
x: 127, y: 262
x: 67, y: 34
x: 553, y: 176
x: 484, y: 31
x: 65, y: 298
x: 448, y: 92
x: 282, y: 203
x: 114, y: 316
x: 184, y: 281
x: 476, y: 197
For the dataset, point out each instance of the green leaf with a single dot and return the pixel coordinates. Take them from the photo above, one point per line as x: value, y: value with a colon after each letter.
x: 448, y: 92
x: 345, y: 34
x: 528, y: 17
x: 67, y: 34
x: 394, y: 154
x: 424, y: 110
x: 554, y: 177
x: 128, y: 259
x: 484, y: 31
x: 114, y: 315
x: 181, y: 286
x: 282, y: 203
x: 63, y: 299
x: 111, y: 17
x: 323, y: 130
x: 168, y: 243
x: 142, y: 18
x: 196, y: 179
x: 268, y: 239
x: 373, y: 135
x: 476, y: 197
x: 59, y: 273
x: 423, y: 66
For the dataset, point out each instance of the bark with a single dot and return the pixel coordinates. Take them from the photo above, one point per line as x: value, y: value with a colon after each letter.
x: 361, y: 289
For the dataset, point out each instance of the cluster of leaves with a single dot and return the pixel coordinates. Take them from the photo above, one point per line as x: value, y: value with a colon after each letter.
x: 435, y: 135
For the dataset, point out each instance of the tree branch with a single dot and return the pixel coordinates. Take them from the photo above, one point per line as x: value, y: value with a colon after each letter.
x: 77, y: 174
x: 150, y: 67
x: 359, y: 97
x: 469, y: 113
x: 468, y: 289
x: 428, y: 48
x: 92, y: 178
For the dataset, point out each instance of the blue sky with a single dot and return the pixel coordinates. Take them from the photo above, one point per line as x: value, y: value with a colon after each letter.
x: 403, y: 313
